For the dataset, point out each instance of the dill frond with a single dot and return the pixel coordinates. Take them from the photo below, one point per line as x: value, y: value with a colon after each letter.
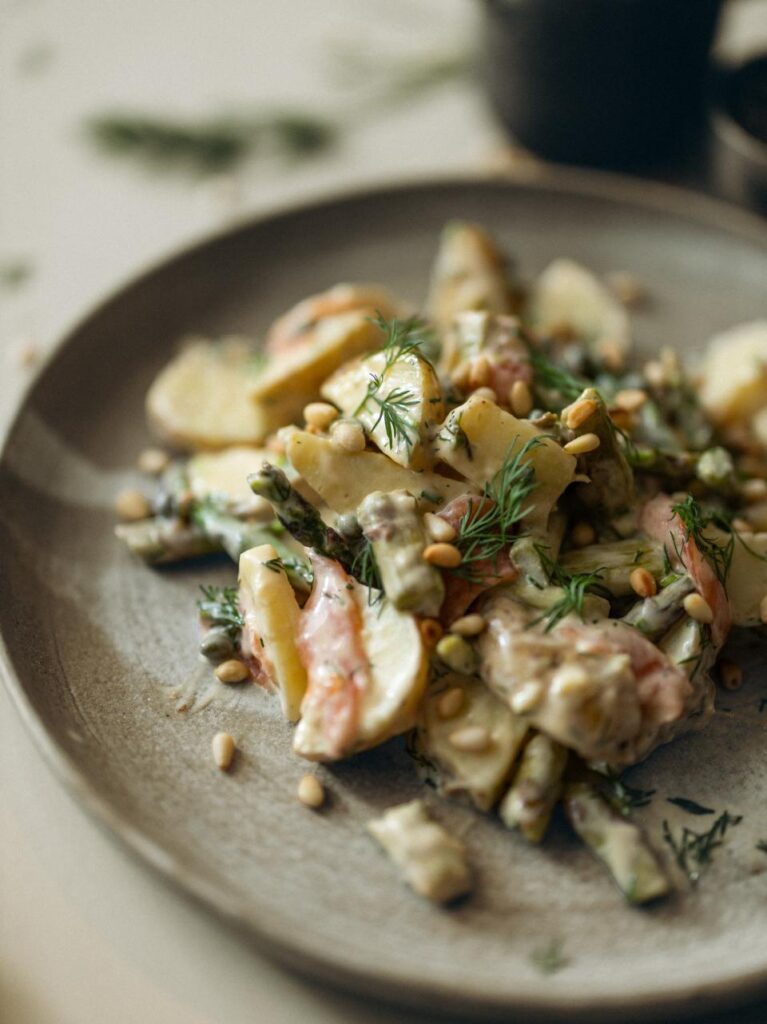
x: 219, y: 606
x: 693, y: 851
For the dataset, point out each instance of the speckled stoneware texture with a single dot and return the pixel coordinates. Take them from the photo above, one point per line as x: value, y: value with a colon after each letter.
x: 101, y: 651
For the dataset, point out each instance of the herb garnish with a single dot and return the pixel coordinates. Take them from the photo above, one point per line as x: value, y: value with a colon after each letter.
x: 576, y: 585
x: 689, y: 805
x: 14, y: 274
x: 219, y: 606
x: 403, y: 337
x: 275, y: 564
x: 392, y: 410
x: 365, y: 569
x: 454, y: 435
x: 549, y: 958
x: 551, y: 377
x: 695, y: 522
x: 486, y: 526
x: 624, y: 798
x: 693, y: 850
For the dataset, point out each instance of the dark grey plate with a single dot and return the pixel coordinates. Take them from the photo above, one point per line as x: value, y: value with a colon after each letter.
x: 99, y: 652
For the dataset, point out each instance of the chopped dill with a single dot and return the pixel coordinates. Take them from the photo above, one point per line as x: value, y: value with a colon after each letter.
x: 550, y: 377
x: 454, y: 435
x: 624, y: 798
x: 550, y: 958
x: 762, y: 846
x: 689, y: 805
x: 695, y: 522
x: 693, y: 850
x: 392, y: 411
x: 275, y: 564
x: 365, y: 569
x: 404, y: 337
x: 575, y: 587
x: 487, y: 525
x: 218, y: 605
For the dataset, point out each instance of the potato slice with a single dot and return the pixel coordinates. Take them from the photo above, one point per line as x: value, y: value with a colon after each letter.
x: 383, y: 697
x: 292, y: 379
x: 747, y: 578
x: 410, y: 386
x: 201, y: 399
x: 224, y: 474
x: 734, y: 384
x: 568, y: 297
x: 482, y: 774
x: 478, y: 436
x: 344, y: 479
x: 271, y: 615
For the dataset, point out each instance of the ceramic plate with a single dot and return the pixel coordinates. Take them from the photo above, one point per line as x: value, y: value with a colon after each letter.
x: 100, y: 655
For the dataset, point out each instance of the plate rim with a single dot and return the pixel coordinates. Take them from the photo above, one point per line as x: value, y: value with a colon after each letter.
x: 279, y: 943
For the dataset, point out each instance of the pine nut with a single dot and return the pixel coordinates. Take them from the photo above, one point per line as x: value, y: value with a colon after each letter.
x: 153, y: 461
x: 480, y: 372
x: 520, y: 399
x: 232, y: 671
x: 643, y: 583
x: 626, y: 287
x: 763, y: 609
x: 132, y: 505
x: 487, y: 393
x: 731, y: 675
x: 472, y: 739
x: 457, y: 654
x: 223, y: 750
x: 311, y: 792
x: 468, y: 625
x: 654, y: 373
x: 446, y: 556
x: 579, y: 412
x: 698, y: 608
x: 583, y: 444
x: 612, y: 355
x: 320, y: 414
x: 349, y: 437
x: 622, y: 419
x: 568, y: 680
x: 450, y: 703
x: 527, y: 697
x: 582, y: 534
x: 631, y: 399
x: 439, y: 529
x: 431, y: 631
x: 754, y: 490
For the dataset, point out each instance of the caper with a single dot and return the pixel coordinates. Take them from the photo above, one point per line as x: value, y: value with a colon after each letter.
x: 217, y: 645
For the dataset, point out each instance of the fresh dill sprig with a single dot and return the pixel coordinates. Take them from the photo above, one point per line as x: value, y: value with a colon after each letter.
x: 624, y: 798
x: 392, y: 411
x: 365, y: 569
x: 487, y: 525
x: 14, y: 274
x: 550, y: 377
x: 693, y: 850
x: 404, y: 337
x: 575, y: 587
x: 218, y: 605
x: 695, y: 522
x: 549, y: 958
x: 691, y: 806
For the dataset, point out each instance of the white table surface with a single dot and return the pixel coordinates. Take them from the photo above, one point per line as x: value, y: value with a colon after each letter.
x: 86, y: 934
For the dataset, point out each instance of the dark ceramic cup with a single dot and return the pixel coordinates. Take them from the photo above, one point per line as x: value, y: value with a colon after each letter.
x: 605, y: 82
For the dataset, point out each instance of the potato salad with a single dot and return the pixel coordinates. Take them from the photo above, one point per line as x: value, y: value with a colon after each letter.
x: 478, y: 525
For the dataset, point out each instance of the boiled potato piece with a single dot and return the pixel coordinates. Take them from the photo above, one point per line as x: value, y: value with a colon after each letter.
x: 202, y: 398
x: 344, y: 479
x: 481, y: 774
x: 343, y: 715
x: 747, y: 578
x: 734, y: 384
x: 292, y: 379
x: 271, y: 615
x: 477, y: 438
x: 411, y: 384
x: 224, y: 474
x: 568, y: 297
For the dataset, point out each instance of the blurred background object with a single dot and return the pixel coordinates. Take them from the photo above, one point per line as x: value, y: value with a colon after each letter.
x: 739, y: 120
x: 610, y: 83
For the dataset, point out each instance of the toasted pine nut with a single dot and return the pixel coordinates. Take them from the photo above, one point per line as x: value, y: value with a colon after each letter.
x: 583, y: 444
x: 612, y: 355
x: 731, y: 675
x: 450, y: 702
x: 472, y: 739
x: 631, y: 399
x: 654, y: 373
x: 320, y: 414
x: 132, y: 505
x: 232, y: 671
x: 480, y: 372
x: 431, y: 631
x: 153, y: 461
x: 223, y: 750
x: 763, y: 609
x: 349, y: 437
x: 643, y: 582
x: 487, y: 393
x: 754, y: 489
x: 311, y: 792
x: 520, y: 399
x: 698, y: 608
x: 438, y: 529
x: 626, y: 287
x: 468, y: 625
x: 569, y: 679
x: 527, y: 697
x: 579, y: 412
x: 446, y: 556
x: 583, y: 534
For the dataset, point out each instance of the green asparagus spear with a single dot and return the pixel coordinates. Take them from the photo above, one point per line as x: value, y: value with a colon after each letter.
x: 395, y: 529
x: 617, y: 843
x: 611, y: 489
x: 655, y: 615
x: 616, y: 561
x: 535, y: 789
x: 164, y: 539
x: 299, y: 517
